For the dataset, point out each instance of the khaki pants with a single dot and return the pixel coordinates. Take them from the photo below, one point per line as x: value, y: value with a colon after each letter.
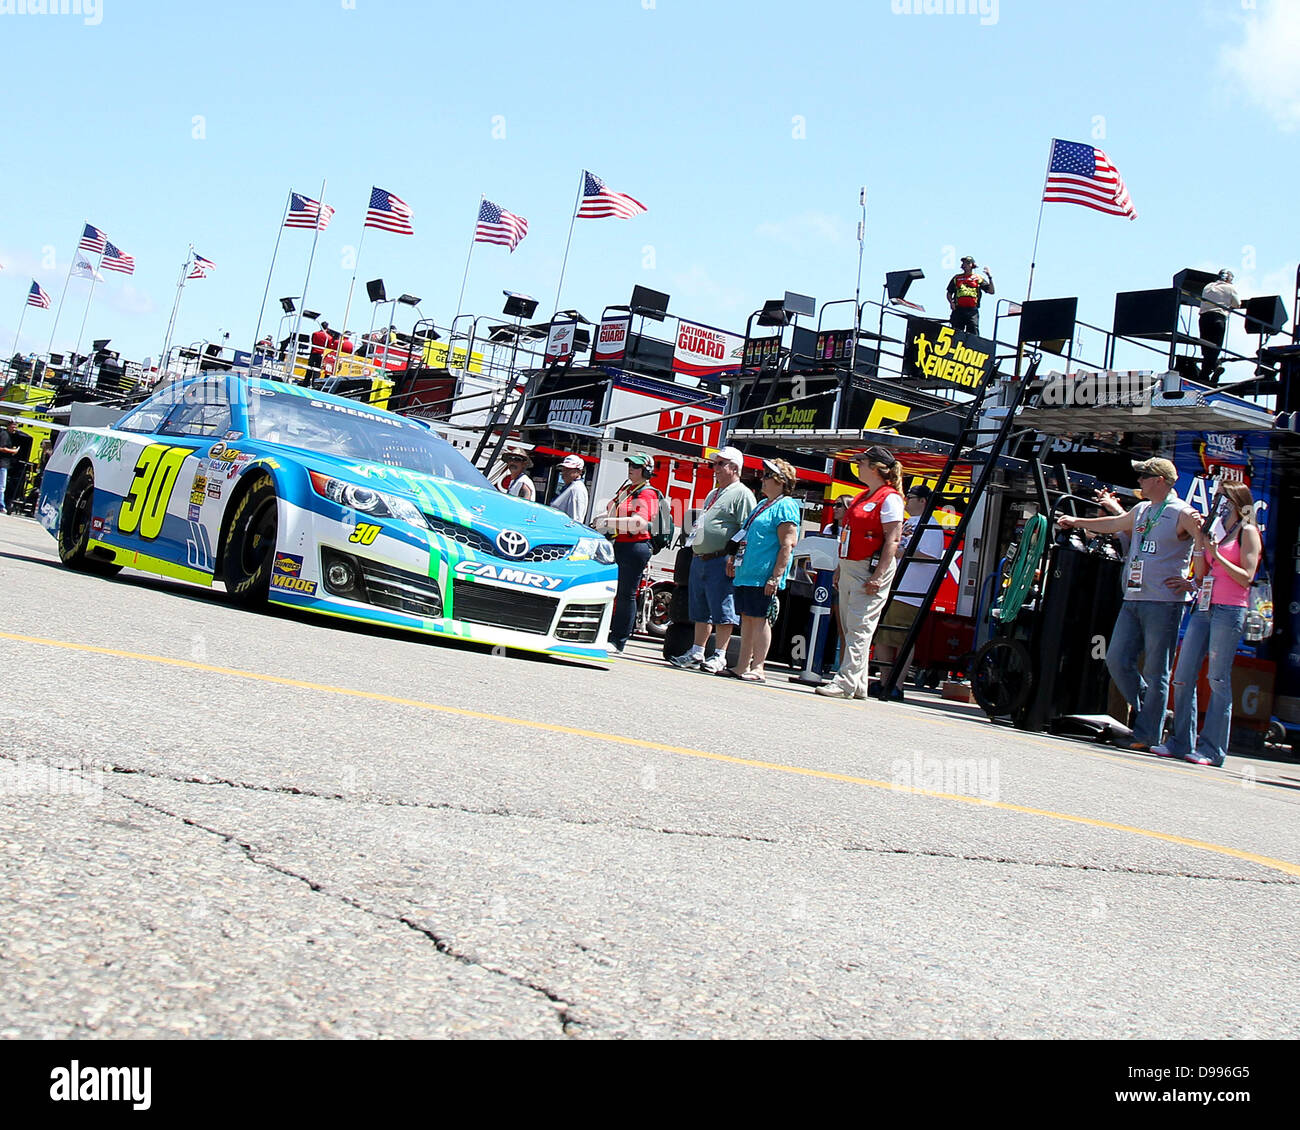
x: 861, y: 613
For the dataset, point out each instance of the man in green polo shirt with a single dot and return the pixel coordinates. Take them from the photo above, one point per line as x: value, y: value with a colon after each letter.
x: 712, y: 601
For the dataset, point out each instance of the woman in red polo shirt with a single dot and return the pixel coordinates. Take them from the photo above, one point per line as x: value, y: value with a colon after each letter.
x: 628, y: 519
x: 868, y: 547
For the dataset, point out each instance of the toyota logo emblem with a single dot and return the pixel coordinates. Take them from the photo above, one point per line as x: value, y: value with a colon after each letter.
x: 512, y: 543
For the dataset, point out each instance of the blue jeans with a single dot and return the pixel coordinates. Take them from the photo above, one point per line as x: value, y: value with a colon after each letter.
x: 631, y: 557
x: 1216, y: 633
x: 1149, y: 626
x: 4, y: 485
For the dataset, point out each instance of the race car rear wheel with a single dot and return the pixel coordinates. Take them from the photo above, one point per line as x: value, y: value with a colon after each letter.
x: 74, y: 527
x: 250, y: 544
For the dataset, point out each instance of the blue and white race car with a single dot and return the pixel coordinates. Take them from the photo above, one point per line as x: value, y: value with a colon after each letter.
x: 321, y: 503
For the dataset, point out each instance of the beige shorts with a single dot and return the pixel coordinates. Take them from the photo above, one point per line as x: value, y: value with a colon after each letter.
x: 900, y: 615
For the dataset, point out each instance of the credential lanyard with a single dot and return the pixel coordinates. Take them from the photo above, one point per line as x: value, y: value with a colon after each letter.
x: 1150, y: 521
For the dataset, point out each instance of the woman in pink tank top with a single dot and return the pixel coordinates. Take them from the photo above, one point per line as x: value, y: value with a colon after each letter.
x: 1226, y: 557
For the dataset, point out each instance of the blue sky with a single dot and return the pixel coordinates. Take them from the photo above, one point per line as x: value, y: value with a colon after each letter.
x: 746, y: 129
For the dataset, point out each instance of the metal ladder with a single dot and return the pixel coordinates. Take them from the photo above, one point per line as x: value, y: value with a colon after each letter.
x: 966, y: 449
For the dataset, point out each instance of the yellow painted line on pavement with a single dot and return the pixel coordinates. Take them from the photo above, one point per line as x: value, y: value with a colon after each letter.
x: 1282, y: 865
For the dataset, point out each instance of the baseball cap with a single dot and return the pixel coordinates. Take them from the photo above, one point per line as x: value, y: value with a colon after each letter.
x: 968, y: 259
x: 640, y: 461
x: 730, y: 455
x: 920, y: 490
x: 521, y: 456
x: 877, y: 455
x: 572, y: 462
x: 1161, y: 468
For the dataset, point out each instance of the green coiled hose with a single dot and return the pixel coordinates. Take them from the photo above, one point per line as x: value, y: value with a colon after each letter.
x: 1029, y: 556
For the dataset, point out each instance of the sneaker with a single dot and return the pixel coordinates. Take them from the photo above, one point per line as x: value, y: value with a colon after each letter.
x: 1158, y: 750
x: 1199, y: 759
x: 830, y: 690
x: 686, y: 662
x: 714, y: 665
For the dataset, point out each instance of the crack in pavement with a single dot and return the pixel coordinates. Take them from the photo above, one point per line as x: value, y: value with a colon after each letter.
x: 447, y: 806
x: 569, y: 1026
x: 433, y: 806
x: 1118, y: 869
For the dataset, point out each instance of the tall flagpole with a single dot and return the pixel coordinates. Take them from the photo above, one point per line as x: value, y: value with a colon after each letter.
x: 465, y: 278
x: 171, y: 322
x: 347, y: 307
x: 94, y: 279
x: 564, y: 265
x: 857, y: 292
x: 71, y: 262
x: 261, y: 313
x: 1033, y: 256
x: 21, y: 316
x: 356, y: 266
x: 297, y: 324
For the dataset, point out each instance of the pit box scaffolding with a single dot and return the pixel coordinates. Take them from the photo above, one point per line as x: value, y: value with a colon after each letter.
x: 1106, y: 419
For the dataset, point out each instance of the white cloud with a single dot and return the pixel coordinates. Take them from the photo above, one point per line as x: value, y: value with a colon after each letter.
x: 809, y: 228
x: 702, y: 289
x: 1263, y: 65
x: 129, y: 300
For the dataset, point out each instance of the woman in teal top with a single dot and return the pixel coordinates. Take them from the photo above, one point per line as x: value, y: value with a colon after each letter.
x: 762, y: 564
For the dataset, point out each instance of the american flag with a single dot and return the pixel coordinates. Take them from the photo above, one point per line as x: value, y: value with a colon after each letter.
x: 599, y: 202
x: 389, y: 213
x: 92, y: 239
x: 305, y: 212
x: 115, y: 260
x: 37, y: 296
x: 496, y: 225
x: 1080, y: 174
x: 201, y: 267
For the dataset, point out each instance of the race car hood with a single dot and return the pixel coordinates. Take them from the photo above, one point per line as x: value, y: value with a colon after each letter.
x: 481, y: 508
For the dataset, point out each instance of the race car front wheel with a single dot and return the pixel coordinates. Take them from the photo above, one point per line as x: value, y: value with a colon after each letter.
x: 250, y: 544
x: 74, y: 527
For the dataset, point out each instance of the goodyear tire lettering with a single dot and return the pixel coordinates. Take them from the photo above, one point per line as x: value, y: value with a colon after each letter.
x: 151, y: 490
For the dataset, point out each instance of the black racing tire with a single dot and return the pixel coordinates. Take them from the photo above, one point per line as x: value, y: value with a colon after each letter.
x: 74, y: 526
x: 249, y: 554
x: 1002, y: 677
x: 661, y: 599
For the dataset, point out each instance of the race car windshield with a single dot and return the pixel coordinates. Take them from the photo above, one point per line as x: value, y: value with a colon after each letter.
x: 357, y: 433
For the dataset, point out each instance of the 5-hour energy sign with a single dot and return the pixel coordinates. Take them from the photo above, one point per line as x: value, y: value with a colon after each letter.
x: 937, y: 354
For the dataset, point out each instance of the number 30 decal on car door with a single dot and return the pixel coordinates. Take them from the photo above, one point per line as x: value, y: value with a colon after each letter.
x: 151, y: 489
